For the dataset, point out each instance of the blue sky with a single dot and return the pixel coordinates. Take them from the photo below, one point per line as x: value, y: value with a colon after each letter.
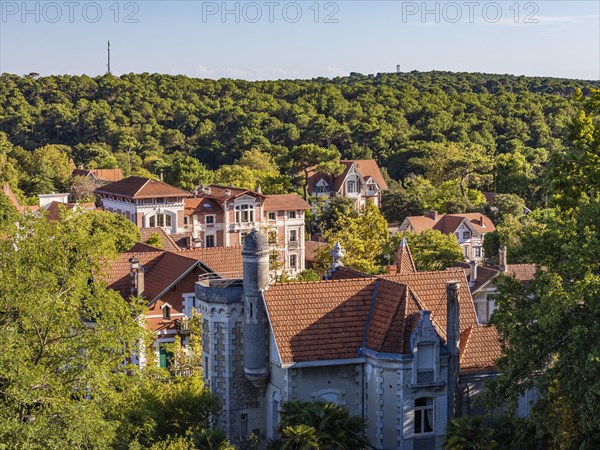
x: 274, y: 39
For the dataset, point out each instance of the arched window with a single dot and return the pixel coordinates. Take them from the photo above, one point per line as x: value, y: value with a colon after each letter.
x: 160, y: 220
x: 166, y: 312
x: 424, y: 415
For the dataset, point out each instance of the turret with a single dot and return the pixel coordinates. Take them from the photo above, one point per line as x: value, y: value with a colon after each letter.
x: 255, y: 255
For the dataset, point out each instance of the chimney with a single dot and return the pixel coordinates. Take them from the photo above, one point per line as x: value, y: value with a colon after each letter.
x: 473, y: 277
x: 432, y: 215
x: 161, y: 176
x: 453, y: 343
x: 227, y: 192
x: 259, y: 189
x: 502, y: 258
x: 136, y: 277
x: 482, y: 221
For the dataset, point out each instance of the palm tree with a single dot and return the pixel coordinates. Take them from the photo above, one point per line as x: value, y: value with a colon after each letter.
x: 334, y: 427
x: 468, y: 433
x: 299, y: 437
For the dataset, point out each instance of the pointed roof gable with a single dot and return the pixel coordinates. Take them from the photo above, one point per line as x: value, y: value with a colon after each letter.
x: 404, y: 260
x: 141, y: 187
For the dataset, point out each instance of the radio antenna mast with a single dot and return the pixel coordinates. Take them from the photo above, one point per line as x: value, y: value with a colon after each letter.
x: 108, y: 65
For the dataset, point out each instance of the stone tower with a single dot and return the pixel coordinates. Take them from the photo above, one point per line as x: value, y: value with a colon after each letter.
x: 255, y: 255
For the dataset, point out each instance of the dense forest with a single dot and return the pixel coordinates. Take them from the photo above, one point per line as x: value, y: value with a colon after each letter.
x: 427, y: 130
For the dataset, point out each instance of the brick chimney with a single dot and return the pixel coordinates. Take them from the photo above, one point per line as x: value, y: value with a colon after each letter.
x: 453, y: 343
x: 502, y: 258
x: 136, y: 277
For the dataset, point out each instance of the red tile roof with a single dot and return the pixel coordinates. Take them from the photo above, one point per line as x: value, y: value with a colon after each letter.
x: 201, y: 205
x: 449, y: 223
x: 390, y: 325
x: 430, y: 288
x: 404, y: 260
x: 285, y: 202
x: 484, y: 275
x: 140, y: 187
x: 310, y: 249
x: 320, y: 320
x: 167, y: 241
x: 12, y: 197
x: 161, y: 269
x: 479, y: 349
x: 522, y: 272
x: 368, y: 168
x: 226, y: 261
x: 111, y: 175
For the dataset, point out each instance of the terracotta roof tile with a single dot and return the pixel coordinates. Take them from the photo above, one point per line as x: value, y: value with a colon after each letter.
x: 522, y: 272
x: 368, y: 168
x: 167, y: 241
x: 319, y: 320
x: 310, y: 249
x: 285, y: 202
x: 430, y: 289
x: 448, y: 223
x: 226, y: 261
x: 12, y: 197
x: 404, y: 260
x: 484, y: 275
x: 140, y: 187
x: 479, y: 349
x: 201, y: 205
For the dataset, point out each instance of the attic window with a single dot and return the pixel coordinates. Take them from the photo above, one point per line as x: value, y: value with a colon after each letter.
x: 166, y: 312
x: 466, y: 235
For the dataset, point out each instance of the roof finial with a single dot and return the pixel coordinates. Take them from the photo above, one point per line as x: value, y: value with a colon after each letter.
x: 337, y: 253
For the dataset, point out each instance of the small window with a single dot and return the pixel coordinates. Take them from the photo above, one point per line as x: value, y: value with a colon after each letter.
x: 466, y: 235
x: 351, y: 187
x: 243, y: 235
x: 424, y: 419
x: 209, y: 220
x: 293, y: 259
x: 292, y: 214
x: 466, y: 249
x: 185, y: 220
x: 272, y: 215
x: 293, y: 235
x: 210, y: 240
x: 166, y: 312
x: 477, y: 252
x: 243, y: 427
x: 152, y: 221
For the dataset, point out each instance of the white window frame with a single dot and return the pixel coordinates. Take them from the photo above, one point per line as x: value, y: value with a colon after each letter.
x: 209, y: 219
x: 423, y: 410
x: 206, y: 241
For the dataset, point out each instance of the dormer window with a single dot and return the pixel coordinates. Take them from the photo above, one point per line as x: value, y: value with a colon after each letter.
x: 351, y: 186
x: 321, y: 187
x: 166, y: 312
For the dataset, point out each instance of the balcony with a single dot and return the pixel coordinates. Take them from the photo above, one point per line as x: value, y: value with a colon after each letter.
x: 183, y: 326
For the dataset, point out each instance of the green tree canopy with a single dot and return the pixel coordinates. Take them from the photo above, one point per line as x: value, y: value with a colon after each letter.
x: 430, y: 249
